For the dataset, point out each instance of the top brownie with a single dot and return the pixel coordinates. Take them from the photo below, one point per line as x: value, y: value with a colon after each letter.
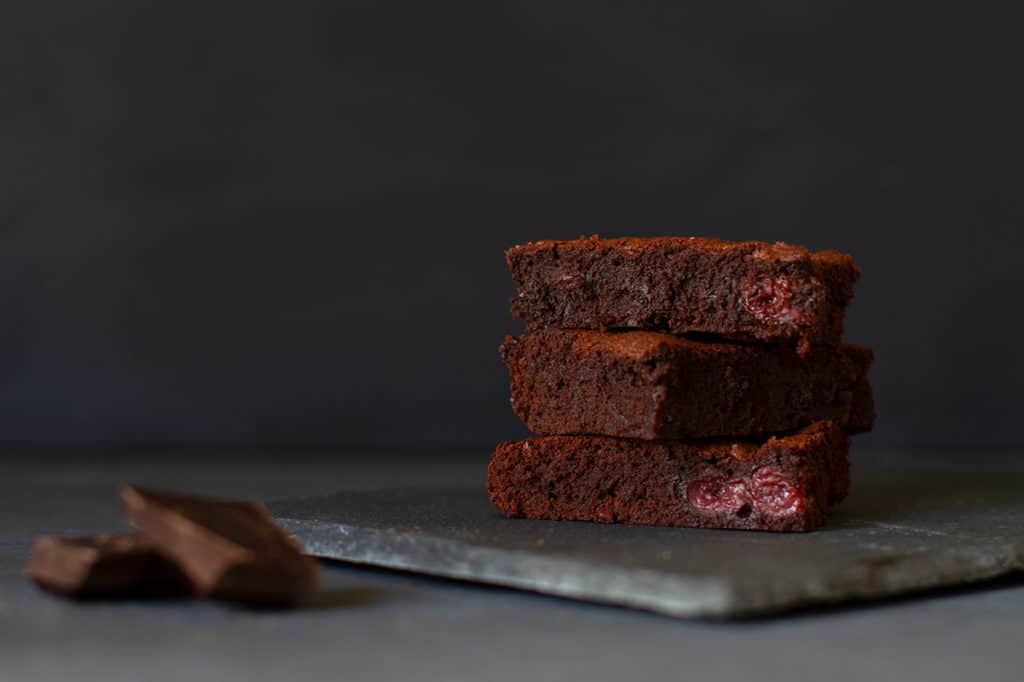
x: 748, y: 291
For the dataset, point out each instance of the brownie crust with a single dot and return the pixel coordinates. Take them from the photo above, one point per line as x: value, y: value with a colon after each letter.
x: 781, y: 484
x: 751, y: 291
x: 657, y: 386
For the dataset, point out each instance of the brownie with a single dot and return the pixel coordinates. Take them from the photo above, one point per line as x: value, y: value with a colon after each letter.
x: 104, y: 567
x: 658, y: 386
x: 785, y: 483
x: 738, y: 290
x: 230, y: 550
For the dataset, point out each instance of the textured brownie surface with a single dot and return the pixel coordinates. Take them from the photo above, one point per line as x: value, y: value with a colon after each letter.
x: 782, y: 484
x: 738, y: 290
x: 655, y: 386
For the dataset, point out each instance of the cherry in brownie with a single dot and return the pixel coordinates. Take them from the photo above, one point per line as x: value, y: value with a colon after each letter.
x: 657, y: 386
x: 781, y: 484
x: 681, y: 285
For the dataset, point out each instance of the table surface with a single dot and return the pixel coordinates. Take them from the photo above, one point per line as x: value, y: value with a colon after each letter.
x: 369, y: 624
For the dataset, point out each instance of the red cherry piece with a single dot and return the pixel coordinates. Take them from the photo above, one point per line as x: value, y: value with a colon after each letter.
x: 716, y: 494
x: 770, y: 299
x: 774, y: 493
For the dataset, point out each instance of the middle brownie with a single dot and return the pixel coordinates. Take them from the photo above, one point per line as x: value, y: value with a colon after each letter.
x: 655, y: 386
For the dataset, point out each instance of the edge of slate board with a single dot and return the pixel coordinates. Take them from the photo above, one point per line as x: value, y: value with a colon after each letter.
x: 918, y: 559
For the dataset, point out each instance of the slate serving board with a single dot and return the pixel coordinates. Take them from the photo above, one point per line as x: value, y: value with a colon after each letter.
x: 917, y: 524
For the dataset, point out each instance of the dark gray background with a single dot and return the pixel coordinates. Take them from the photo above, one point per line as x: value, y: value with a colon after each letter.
x: 283, y: 223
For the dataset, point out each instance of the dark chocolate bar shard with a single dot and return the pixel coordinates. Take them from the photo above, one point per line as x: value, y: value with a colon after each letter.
x: 104, y: 567
x: 230, y: 550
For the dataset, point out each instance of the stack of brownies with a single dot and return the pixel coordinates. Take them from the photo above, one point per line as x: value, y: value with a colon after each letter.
x: 681, y: 382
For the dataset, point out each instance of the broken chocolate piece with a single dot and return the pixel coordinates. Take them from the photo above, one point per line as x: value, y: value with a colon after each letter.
x: 104, y: 567
x: 230, y: 550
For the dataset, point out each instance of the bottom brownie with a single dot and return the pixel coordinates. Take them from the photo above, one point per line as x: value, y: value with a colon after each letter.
x: 785, y: 483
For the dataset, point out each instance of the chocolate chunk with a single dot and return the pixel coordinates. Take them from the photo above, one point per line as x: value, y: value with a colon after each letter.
x: 104, y: 567
x: 230, y: 550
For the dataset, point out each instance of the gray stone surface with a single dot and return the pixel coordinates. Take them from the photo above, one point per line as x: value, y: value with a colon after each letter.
x: 368, y: 624
x: 904, y: 529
